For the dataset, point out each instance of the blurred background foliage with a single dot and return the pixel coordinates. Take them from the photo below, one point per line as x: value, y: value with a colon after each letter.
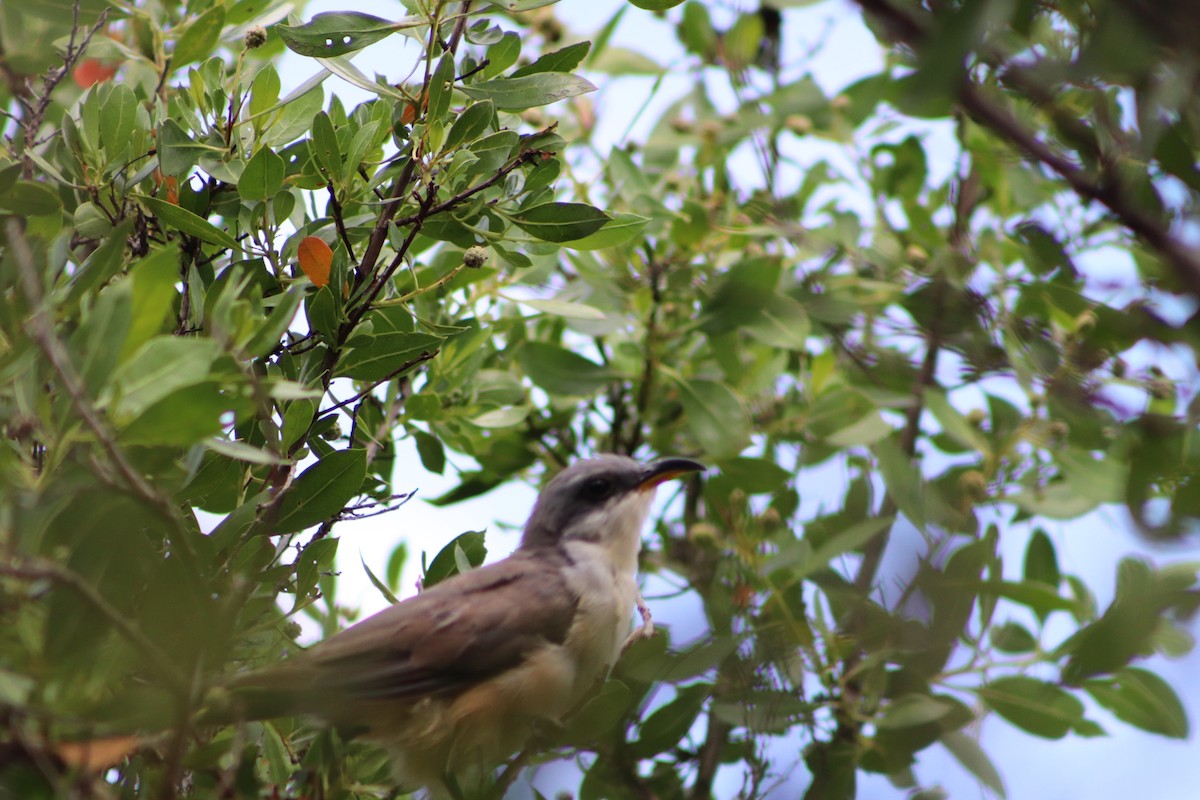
x: 968, y: 316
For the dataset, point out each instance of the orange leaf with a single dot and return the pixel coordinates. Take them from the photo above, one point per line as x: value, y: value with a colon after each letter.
x: 91, y: 71
x: 96, y: 754
x: 315, y: 260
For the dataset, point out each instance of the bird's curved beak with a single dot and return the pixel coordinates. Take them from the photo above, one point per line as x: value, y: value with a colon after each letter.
x: 666, y: 469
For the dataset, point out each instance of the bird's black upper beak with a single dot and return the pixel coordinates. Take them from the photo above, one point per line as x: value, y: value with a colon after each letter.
x: 667, y: 469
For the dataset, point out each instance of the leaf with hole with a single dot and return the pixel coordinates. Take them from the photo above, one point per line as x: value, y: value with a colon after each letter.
x: 335, y: 33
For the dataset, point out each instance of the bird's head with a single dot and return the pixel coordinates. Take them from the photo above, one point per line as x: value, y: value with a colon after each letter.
x: 603, y: 500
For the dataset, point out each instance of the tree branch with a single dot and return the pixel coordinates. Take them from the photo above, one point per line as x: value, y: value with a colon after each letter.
x: 41, y: 330
x: 1109, y: 190
x: 38, y: 570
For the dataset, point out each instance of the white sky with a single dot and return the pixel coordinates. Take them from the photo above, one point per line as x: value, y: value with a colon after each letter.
x: 1126, y: 764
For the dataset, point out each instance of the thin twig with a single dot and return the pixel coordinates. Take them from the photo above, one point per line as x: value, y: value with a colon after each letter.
x: 425, y: 356
x: 39, y: 570
x: 41, y: 330
x: 339, y: 222
x: 53, y: 77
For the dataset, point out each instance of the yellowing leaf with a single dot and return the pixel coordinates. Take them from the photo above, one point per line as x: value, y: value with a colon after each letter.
x: 315, y: 259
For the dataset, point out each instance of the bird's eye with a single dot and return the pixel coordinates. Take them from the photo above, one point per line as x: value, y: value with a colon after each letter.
x: 596, y: 488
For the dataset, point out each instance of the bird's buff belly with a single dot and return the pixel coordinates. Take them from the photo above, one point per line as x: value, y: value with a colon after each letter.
x: 468, y: 734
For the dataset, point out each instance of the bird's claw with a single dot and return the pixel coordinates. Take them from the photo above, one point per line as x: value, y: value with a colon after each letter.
x: 645, y: 630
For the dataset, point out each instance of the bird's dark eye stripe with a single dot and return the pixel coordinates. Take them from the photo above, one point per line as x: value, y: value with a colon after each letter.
x: 598, y: 487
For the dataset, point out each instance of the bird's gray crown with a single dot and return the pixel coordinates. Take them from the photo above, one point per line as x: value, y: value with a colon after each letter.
x: 574, y: 500
x: 578, y: 490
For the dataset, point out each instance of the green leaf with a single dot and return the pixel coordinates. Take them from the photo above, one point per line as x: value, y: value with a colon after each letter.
x: 270, y: 333
x: 501, y: 417
x: 562, y: 60
x: 178, y: 152
x: 1142, y: 699
x: 560, y: 371
x: 599, y: 715
x: 378, y: 584
x: 696, y: 31
x: 1125, y: 629
x: 244, y: 452
x: 186, y: 222
x: 264, y: 91
x: 954, y: 423
x: 501, y: 55
x: 335, y: 33
x: 968, y: 753
x: 1012, y: 637
x: 446, y: 563
x: 386, y: 355
x: 162, y: 365
x: 565, y: 309
x: 30, y: 199
x: 1041, y: 562
x: 431, y: 452
x: 154, y: 279
x: 316, y: 557
x: 782, y: 322
x: 321, y: 310
x: 262, y: 177
x: 655, y: 5
x: 529, y: 91
x: 118, y: 119
x: 1037, y: 596
x: 492, y: 151
x: 278, y: 760
x: 664, y: 728
x: 517, y: 6
x: 715, y: 416
x: 911, y: 710
x: 1034, y: 706
x: 755, y: 475
x: 395, y: 564
x: 621, y: 229
x: 322, y: 490
x: 200, y: 38
x: 560, y: 222
x: 472, y: 123
x: 441, y: 88
x: 904, y: 483
x: 104, y: 262
x: 325, y: 145
x: 181, y: 418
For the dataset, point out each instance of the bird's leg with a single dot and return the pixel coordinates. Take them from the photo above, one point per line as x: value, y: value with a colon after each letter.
x: 646, y: 630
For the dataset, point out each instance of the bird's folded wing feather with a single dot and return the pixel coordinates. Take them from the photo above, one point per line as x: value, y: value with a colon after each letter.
x: 458, y: 632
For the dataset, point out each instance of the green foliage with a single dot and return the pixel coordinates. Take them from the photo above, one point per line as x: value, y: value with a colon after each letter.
x: 189, y: 408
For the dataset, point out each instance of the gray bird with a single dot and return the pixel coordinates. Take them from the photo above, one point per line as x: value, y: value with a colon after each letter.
x: 453, y: 681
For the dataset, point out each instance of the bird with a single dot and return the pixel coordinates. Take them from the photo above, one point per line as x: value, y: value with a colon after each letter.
x: 456, y: 679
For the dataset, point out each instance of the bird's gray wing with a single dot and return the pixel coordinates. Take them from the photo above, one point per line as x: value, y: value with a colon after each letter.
x: 454, y: 634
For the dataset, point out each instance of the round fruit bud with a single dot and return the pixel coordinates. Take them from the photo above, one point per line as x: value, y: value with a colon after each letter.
x: 475, y: 257
x: 799, y: 124
x: 915, y: 254
x: 976, y: 417
x: 254, y: 37
x: 973, y: 484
